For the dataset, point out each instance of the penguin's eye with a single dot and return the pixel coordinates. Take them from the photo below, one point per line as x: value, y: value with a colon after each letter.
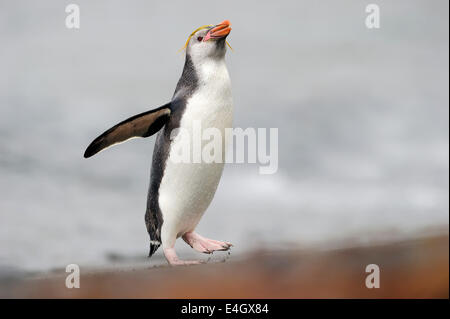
x: 200, y: 39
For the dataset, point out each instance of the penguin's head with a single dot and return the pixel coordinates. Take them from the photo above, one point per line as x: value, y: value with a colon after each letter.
x: 208, y: 41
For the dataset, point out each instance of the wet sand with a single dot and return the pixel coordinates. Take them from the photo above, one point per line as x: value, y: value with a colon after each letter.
x: 417, y: 268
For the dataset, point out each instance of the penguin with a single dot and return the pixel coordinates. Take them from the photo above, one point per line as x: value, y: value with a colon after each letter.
x: 180, y: 193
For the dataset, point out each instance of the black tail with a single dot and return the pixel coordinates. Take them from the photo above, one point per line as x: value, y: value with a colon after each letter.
x: 153, y: 248
x: 153, y: 222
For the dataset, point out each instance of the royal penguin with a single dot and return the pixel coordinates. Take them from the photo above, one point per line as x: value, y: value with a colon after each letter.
x: 179, y: 191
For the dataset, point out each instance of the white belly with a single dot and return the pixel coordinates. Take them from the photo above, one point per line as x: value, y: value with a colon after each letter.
x: 187, y: 189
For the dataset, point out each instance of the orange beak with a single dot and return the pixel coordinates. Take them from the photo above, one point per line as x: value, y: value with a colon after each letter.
x: 219, y: 31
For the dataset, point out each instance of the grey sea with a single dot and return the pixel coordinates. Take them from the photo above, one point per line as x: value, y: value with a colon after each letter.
x: 362, y: 114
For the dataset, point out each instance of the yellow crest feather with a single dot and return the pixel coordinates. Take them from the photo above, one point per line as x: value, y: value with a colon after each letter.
x: 193, y: 32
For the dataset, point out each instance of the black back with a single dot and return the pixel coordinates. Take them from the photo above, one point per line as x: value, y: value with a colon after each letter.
x: 187, y: 84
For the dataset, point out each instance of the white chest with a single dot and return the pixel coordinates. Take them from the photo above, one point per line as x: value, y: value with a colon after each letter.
x: 187, y: 188
x: 212, y: 102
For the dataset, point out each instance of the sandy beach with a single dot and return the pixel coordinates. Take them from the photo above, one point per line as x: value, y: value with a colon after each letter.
x: 415, y: 268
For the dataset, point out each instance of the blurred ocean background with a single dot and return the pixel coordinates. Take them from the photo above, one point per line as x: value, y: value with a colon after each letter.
x: 363, y: 118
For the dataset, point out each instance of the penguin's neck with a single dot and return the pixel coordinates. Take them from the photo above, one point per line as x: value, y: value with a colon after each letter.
x: 202, y: 74
x: 211, y: 69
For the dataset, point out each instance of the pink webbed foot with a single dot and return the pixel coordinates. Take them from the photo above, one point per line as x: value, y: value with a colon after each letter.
x: 205, y: 245
x: 173, y: 259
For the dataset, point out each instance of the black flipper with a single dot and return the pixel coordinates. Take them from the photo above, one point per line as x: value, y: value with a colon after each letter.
x: 140, y: 125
